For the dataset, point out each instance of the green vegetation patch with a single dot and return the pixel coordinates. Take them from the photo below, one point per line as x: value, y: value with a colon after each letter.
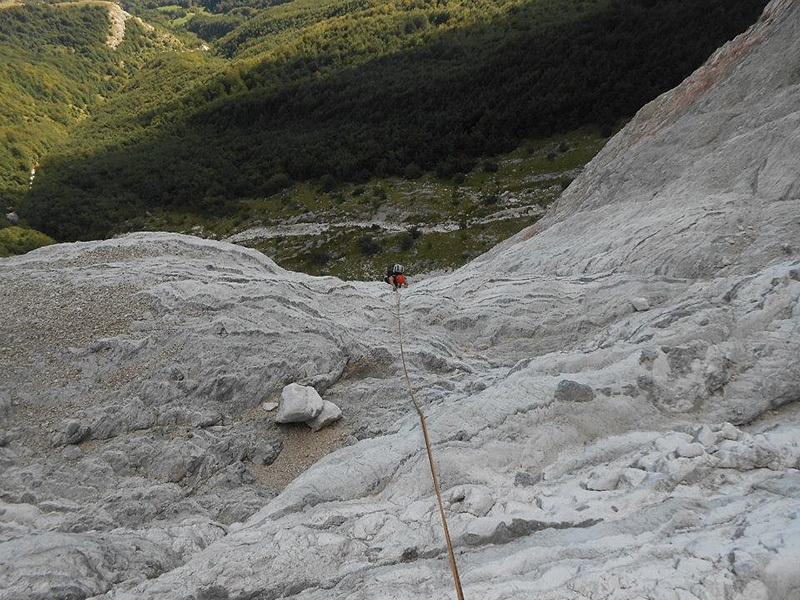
x: 363, y: 253
x: 345, y: 91
x: 55, y: 68
x: 426, y: 223
x: 19, y: 240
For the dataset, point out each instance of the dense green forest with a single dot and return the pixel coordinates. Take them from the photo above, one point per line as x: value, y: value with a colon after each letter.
x: 341, y: 91
x: 55, y: 67
x: 208, y: 19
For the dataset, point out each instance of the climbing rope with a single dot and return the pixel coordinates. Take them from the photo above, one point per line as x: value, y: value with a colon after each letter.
x: 434, y: 475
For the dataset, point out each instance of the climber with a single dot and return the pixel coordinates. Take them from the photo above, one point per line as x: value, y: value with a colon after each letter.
x: 395, y: 277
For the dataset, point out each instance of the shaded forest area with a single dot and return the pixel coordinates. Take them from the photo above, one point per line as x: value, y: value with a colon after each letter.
x: 346, y: 107
x: 43, y: 86
x: 54, y: 67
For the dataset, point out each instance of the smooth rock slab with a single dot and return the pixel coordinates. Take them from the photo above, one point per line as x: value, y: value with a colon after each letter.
x: 299, y: 403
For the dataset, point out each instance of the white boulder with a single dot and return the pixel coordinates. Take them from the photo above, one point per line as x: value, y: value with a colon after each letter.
x: 299, y: 403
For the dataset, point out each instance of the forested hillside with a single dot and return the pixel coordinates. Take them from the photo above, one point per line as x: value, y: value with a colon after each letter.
x: 348, y: 90
x: 208, y: 19
x: 55, y: 67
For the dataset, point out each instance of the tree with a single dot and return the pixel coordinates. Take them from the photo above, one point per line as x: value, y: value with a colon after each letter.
x: 368, y: 245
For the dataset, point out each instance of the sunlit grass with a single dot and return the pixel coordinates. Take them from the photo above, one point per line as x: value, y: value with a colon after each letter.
x: 19, y: 240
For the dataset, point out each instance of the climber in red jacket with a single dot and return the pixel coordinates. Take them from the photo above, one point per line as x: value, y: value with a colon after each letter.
x: 395, y: 277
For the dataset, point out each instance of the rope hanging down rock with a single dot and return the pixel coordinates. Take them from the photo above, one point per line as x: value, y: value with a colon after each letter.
x: 434, y: 475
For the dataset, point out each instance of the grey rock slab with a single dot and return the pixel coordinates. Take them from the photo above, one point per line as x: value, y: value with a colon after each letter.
x: 60, y: 565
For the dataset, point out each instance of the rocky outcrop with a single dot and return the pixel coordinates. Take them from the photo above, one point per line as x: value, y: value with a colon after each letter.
x: 586, y: 447
x: 117, y: 16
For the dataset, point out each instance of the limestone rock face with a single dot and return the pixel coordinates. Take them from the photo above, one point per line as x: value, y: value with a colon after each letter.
x: 137, y: 460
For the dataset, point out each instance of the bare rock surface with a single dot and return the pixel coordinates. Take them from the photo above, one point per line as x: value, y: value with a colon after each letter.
x: 586, y: 448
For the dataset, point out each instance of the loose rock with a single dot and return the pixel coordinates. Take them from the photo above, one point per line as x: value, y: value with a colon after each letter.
x: 330, y: 414
x: 572, y: 391
x: 299, y: 403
